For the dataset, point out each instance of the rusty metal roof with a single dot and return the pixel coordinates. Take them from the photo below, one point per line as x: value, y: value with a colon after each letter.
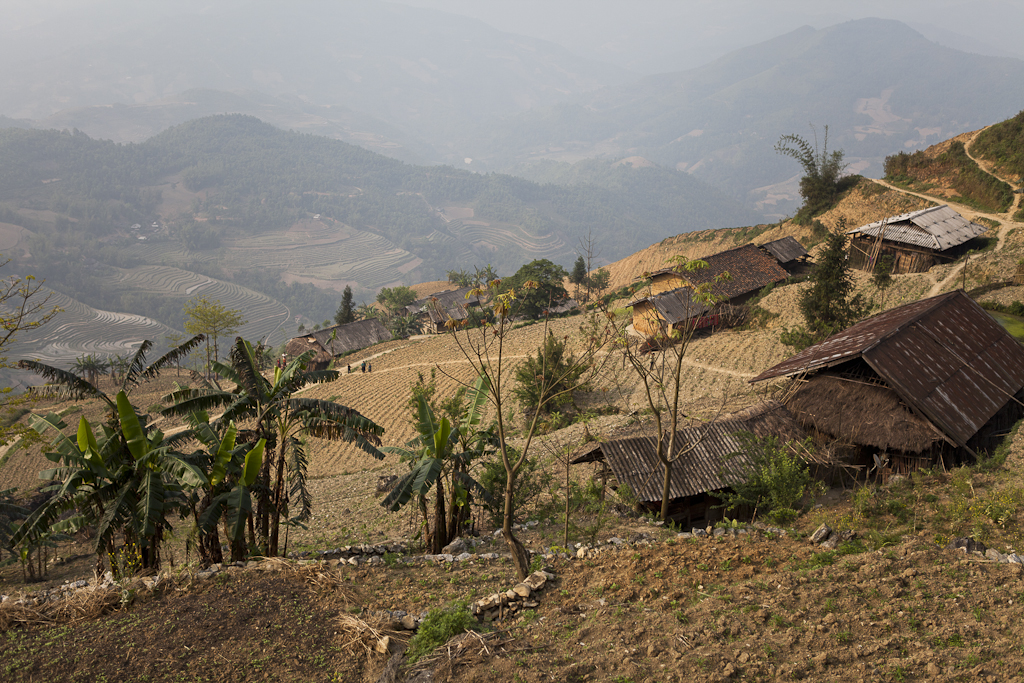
x: 944, y: 356
x: 710, y: 464
x: 937, y: 227
x: 786, y: 249
x: 678, y: 305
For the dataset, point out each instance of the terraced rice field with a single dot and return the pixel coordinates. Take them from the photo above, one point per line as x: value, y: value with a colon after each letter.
x: 267, y: 318
x: 168, y: 253
x: 325, y: 251
x: 497, y: 236
x: 716, y: 371
x: 81, y: 329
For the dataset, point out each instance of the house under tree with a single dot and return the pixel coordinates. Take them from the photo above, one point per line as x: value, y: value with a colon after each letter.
x: 671, y: 304
x: 331, y: 342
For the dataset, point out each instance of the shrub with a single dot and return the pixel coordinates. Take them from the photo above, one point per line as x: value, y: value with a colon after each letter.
x: 438, y: 627
x: 528, y: 485
x: 776, y: 481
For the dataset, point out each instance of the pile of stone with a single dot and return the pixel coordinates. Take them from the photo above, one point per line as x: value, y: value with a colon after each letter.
x: 971, y: 547
x: 825, y: 537
x: 522, y: 596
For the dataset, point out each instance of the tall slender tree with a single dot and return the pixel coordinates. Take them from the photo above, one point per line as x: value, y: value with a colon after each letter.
x: 346, y: 310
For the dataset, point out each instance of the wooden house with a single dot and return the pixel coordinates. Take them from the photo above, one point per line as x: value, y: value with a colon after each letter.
x: 670, y: 303
x: 715, y: 456
x: 789, y: 253
x: 934, y: 382
x: 435, y: 310
x: 917, y: 240
x: 336, y: 341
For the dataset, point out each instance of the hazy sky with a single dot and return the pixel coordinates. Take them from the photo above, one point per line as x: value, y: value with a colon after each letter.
x: 642, y: 33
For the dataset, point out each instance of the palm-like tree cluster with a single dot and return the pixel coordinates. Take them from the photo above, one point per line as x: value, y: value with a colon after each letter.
x: 128, y: 481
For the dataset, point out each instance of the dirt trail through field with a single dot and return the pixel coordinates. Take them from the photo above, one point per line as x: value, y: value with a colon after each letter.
x: 463, y: 361
x: 1006, y: 221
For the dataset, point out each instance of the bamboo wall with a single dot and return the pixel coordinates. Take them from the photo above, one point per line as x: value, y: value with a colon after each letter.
x: 905, y: 259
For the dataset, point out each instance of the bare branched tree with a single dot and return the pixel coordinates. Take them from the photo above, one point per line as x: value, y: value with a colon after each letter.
x: 484, y: 348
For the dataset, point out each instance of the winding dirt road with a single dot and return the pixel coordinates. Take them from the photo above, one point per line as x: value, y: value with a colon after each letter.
x: 1007, y: 223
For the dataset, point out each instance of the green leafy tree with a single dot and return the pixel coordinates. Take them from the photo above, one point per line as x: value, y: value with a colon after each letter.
x: 819, y: 185
x: 366, y: 311
x: 393, y: 299
x: 213, y: 320
x: 579, y: 274
x: 881, y: 275
x: 538, y: 286
x: 828, y: 305
x: 599, y: 281
x: 121, y: 482
x: 439, y: 458
x: 554, y: 370
x: 403, y: 326
x: 346, y: 311
x: 226, y: 471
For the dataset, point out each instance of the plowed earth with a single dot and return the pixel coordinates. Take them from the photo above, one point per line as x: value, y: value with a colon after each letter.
x: 747, y: 608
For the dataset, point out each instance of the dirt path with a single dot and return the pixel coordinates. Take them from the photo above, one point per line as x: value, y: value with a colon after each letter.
x: 1005, y: 220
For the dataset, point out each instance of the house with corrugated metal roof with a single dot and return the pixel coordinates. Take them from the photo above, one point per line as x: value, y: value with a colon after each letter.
x: 331, y: 342
x: 670, y: 302
x: 713, y: 457
x: 934, y: 382
x: 790, y: 254
x: 917, y: 240
x: 435, y: 310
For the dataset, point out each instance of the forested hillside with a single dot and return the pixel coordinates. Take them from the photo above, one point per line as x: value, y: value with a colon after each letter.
x: 234, y: 199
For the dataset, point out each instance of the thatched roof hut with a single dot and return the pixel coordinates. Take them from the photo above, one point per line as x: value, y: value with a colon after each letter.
x: 931, y: 378
x: 297, y: 346
x: 861, y: 412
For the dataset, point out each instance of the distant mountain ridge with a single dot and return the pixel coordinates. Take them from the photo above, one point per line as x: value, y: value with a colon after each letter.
x: 877, y: 84
x: 298, y: 217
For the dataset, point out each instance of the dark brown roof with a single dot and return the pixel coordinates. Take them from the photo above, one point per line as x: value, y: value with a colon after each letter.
x: 352, y: 336
x: 786, y: 249
x: 710, y: 466
x: 677, y: 305
x: 944, y: 356
x: 749, y: 268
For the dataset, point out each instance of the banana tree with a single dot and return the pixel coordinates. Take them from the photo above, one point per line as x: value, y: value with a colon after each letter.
x: 129, y: 481
x: 440, y: 457
x: 283, y: 421
x: 225, y: 494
